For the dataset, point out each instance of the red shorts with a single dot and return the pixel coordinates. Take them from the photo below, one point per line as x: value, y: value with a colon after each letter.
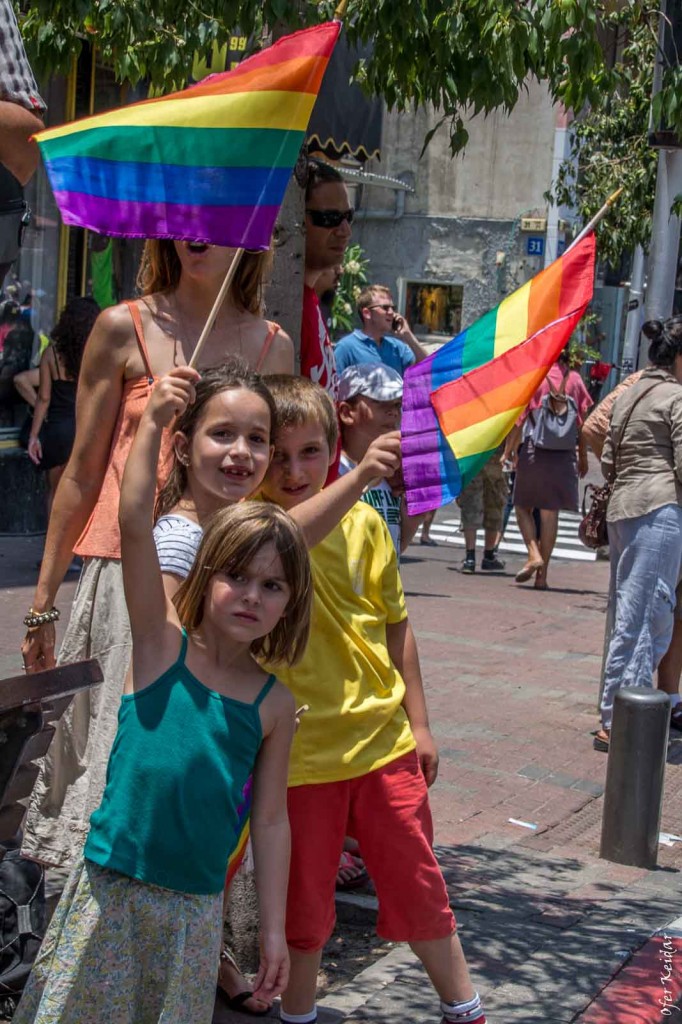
x: 388, y: 812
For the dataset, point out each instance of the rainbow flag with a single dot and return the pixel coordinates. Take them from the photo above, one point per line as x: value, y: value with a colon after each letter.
x: 243, y: 831
x: 208, y: 164
x: 461, y: 402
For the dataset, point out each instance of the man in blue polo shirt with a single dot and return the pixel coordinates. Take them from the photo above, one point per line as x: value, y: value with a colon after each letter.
x: 385, y: 336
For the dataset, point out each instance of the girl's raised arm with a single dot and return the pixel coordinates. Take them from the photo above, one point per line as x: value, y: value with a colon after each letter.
x: 145, y: 597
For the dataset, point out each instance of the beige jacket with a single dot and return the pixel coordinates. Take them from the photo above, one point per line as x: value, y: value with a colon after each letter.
x: 648, y: 457
x: 596, y: 426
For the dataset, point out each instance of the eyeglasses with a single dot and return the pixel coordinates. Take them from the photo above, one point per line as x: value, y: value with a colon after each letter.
x: 387, y: 307
x: 330, y: 218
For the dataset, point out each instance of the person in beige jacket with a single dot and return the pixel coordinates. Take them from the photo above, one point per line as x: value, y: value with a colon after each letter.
x: 642, y: 457
x: 596, y: 426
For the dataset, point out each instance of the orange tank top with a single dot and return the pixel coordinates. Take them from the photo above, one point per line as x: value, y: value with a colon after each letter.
x: 273, y: 328
x: 101, y: 537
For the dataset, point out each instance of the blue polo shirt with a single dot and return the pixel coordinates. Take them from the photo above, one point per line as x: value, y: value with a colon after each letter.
x: 359, y: 348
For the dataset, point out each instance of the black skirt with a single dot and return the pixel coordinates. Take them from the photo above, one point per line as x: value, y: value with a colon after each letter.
x: 546, y: 479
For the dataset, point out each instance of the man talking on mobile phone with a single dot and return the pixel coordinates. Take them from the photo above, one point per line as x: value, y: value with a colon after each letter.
x: 385, y: 335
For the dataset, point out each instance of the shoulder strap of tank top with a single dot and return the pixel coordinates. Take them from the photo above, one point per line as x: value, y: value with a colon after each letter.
x: 273, y: 329
x: 139, y: 334
x: 56, y: 362
x: 271, y: 680
x: 183, y: 648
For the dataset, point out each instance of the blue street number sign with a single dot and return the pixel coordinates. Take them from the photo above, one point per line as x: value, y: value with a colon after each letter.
x: 535, y: 246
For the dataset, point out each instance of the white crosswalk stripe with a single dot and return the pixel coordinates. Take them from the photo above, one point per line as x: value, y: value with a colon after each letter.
x: 568, y: 545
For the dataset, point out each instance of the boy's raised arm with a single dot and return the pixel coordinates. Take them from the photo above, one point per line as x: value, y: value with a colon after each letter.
x: 320, y: 514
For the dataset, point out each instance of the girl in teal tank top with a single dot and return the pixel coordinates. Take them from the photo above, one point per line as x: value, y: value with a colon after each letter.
x: 136, y: 935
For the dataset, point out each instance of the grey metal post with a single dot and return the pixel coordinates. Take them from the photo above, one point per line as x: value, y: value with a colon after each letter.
x: 633, y: 323
x: 665, y: 241
x: 634, y: 777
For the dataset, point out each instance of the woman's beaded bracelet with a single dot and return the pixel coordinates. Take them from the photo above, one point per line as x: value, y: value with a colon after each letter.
x: 34, y: 619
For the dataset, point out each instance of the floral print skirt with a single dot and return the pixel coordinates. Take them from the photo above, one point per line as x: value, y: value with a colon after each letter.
x: 120, y: 950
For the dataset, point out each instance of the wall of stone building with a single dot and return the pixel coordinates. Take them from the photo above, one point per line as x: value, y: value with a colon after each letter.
x: 465, y: 211
x: 503, y: 171
x: 453, y: 250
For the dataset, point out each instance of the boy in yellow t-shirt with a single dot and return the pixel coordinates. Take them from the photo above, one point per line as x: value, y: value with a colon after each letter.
x: 364, y: 755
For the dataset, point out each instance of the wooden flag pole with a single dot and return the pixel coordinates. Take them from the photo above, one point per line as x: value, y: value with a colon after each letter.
x: 220, y: 298
x: 597, y: 217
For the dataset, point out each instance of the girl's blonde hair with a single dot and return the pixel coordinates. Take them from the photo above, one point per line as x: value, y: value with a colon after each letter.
x: 232, y: 375
x: 160, y: 270
x: 232, y: 538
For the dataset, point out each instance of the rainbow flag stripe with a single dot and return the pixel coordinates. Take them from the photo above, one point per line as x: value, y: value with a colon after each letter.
x: 452, y: 422
x: 209, y: 164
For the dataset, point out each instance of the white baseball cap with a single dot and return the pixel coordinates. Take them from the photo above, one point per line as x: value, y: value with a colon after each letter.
x: 372, y: 380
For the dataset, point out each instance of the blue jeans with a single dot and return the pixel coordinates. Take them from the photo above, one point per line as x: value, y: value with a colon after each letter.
x: 646, y: 554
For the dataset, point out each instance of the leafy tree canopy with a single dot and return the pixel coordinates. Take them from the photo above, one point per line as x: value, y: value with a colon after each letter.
x: 473, y: 54
x: 610, y: 140
x: 463, y: 57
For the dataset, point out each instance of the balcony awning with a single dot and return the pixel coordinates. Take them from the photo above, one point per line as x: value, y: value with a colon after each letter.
x: 345, y: 122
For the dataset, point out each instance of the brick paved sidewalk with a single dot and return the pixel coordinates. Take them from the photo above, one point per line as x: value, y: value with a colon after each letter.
x: 511, y: 677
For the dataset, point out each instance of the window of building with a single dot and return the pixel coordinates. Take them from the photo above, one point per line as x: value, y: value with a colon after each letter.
x: 433, y: 309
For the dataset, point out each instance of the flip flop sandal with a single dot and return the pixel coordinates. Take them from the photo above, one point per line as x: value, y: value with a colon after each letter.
x: 349, y: 863
x: 529, y: 569
x: 237, y: 1002
x: 599, y: 743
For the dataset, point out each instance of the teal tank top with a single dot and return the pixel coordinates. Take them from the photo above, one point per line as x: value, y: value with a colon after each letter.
x: 177, y: 771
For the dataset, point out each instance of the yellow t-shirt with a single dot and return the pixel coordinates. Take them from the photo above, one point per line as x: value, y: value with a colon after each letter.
x: 356, y: 721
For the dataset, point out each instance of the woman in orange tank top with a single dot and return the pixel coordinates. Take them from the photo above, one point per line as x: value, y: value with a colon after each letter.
x: 131, y: 345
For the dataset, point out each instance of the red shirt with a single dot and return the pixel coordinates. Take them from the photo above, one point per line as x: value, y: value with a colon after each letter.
x: 317, y: 357
x: 317, y: 354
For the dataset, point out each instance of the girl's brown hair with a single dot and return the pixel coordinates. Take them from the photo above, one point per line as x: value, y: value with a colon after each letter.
x: 232, y: 539
x: 233, y: 374
x: 160, y: 270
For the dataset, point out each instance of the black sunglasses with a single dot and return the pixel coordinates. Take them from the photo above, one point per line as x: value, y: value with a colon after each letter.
x: 330, y: 218
x: 386, y: 306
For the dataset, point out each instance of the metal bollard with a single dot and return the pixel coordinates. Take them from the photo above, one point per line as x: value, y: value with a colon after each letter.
x: 634, y: 777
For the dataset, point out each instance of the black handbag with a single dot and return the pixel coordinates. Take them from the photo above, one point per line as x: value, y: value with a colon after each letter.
x: 593, y: 531
x: 22, y: 925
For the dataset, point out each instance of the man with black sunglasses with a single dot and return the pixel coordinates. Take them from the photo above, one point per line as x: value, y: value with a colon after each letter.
x: 385, y: 335
x: 329, y: 215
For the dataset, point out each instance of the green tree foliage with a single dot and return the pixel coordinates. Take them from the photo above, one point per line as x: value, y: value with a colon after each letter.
x: 353, y: 277
x: 462, y: 55
x: 609, y: 141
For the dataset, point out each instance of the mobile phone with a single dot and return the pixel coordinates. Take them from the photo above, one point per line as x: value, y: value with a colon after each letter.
x: 397, y: 323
